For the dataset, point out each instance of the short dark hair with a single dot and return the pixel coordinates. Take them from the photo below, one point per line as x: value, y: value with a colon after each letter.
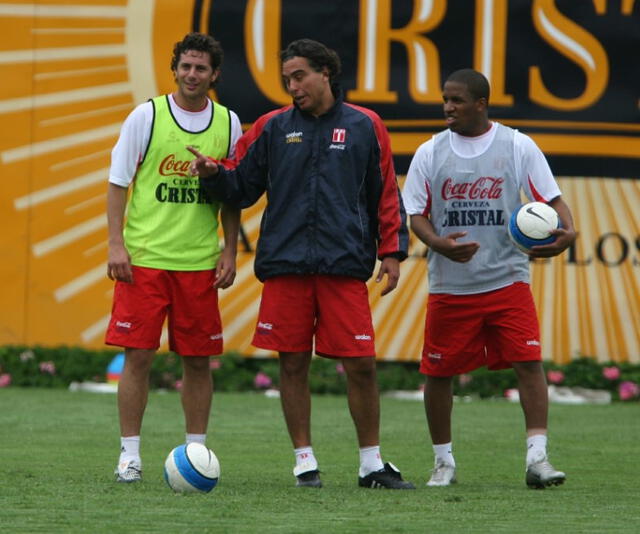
x: 200, y: 42
x: 317, y: 54
x: 475, y: 81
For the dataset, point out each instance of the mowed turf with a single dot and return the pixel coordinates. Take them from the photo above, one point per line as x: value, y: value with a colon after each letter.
x: 58, y: 450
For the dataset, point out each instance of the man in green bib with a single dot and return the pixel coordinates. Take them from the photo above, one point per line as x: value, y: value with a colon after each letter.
x: 166, y: 258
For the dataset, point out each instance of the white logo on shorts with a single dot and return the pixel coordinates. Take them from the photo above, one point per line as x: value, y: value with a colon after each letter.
x: 123, y: 324
x: 435, y: 355
x: 265, y: 326
x: 215, y: 336
x: 363, y: 337
x: 533, y: 342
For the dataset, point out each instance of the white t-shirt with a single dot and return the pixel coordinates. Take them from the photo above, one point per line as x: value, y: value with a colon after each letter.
x: 530, y: 164
x: 473, y: 184
x: 136, y: 131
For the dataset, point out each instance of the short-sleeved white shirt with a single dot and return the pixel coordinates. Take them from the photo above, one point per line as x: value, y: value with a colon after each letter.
x: 473, y: 184
x: 136, y: 131
x: 530, y: 164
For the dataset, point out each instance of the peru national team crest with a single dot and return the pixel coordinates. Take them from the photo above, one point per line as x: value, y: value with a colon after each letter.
x: 339, y: 135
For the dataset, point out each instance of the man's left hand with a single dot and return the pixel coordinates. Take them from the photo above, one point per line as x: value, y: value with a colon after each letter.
x: 391, y: 267
x: 564, y: 239
x: 226, y: 269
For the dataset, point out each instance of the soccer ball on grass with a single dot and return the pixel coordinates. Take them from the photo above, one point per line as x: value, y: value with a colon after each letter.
x: 192, y: 468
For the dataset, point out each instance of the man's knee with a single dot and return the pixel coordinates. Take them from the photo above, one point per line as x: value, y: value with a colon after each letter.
x: 138, y: 361
x: 361, y: 370
x: 294, y: 364
x: 528, y: 370
x: 195, y: 364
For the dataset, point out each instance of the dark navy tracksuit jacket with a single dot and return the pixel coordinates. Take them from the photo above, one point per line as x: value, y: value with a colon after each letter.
x: 333, y: 203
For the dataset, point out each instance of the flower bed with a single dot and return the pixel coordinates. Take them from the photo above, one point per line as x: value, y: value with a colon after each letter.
x: 60, y: 366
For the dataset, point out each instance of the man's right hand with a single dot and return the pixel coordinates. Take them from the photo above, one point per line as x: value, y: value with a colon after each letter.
x: 455, y: 250
x: 119, y: 264
x: 202, y: 166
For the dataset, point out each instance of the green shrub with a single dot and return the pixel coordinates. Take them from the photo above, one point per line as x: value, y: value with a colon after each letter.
x: 59, y: 366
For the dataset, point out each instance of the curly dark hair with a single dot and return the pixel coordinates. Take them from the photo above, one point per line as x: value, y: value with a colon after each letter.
x: 317, y: 54
x: 199, y: 42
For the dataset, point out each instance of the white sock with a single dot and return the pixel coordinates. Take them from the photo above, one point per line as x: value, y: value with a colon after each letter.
x: 195, y: 438
x: 444, y: 454
x: 129, y: 449
x: 536, y: 448
x: 305, y: 460
x: 370, y: 460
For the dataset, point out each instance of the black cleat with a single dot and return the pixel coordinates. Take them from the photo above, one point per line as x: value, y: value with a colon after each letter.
x: 309, y: 479
x: 387, y: 478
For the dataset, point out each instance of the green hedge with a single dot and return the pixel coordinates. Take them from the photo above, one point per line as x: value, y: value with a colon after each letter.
x: 59, y: 366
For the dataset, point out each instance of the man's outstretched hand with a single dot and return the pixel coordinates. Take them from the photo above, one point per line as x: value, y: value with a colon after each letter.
x: 202, y: 166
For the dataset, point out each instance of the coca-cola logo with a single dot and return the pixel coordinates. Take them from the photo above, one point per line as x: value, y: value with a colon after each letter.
x: 171, y: 166
x: 485, y: 187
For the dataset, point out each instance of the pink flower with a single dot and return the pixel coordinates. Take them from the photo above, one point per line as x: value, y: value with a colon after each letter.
x: 48, y: 367
x: 465, y: 379
x: 215, y: 364
x: 177, y: 385
x: 555, y: 377
x: 262, y: 381
x: 5, y: 380
x: 611, y: 373
x: 339, y: 368
x: 628, y: 390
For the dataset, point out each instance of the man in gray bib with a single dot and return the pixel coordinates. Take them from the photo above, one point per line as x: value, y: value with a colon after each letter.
x: 461, y: 188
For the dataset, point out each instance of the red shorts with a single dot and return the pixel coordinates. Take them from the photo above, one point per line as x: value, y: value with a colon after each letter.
x: 493, y: 329
x: 187, y: 297
x: 334, y: 309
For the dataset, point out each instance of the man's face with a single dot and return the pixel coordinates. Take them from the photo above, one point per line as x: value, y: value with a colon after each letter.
x: 194, y: 74
x: 310, y: 89
x: 464, y: 114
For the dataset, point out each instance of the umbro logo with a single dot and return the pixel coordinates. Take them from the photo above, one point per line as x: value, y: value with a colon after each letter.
x: 293, y: 137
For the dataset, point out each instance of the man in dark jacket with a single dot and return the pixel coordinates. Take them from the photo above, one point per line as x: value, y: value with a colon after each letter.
x: 333, y: 207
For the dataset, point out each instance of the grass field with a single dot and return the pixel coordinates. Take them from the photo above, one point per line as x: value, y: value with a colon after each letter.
x: 58, y: 450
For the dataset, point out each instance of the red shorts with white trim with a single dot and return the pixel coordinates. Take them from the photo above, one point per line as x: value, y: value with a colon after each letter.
x: 188, y: 298
x: 493, y: 329
x: 333, y: 309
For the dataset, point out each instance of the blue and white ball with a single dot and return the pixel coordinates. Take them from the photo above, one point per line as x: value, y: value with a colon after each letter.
x: 531, y: 224
x: 192, y: 468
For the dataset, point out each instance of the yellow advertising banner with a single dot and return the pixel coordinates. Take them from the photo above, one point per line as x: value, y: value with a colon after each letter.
x: 73, y: 70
